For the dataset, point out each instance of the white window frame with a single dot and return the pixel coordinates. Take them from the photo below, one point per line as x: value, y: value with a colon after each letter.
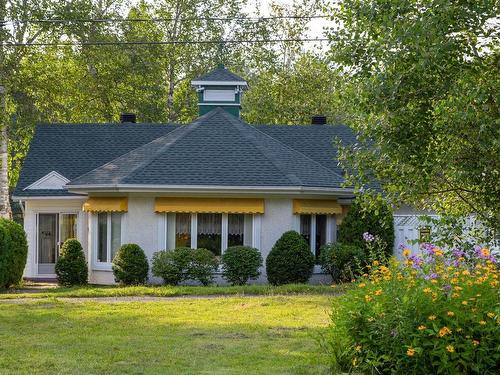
x: 103, y: 266
x: 163, y: 231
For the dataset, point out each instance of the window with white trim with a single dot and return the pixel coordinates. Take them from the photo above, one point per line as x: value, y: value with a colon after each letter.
x: 108, y: 236
x: 317, y: 230
x: 213, y: 231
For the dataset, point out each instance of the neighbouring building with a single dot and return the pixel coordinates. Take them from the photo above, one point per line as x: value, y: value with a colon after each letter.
x: 213, y: 183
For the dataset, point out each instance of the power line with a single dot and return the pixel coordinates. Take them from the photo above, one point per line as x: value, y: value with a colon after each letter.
x: 162, y: 19
x: 169, y: 42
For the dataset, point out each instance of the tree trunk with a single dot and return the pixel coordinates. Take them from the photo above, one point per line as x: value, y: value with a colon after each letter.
x: 5, y: 210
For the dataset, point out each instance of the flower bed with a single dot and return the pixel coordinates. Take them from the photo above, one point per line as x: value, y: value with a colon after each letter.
x: 437, y: 312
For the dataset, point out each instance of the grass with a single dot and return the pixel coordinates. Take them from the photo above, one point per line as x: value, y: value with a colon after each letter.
x: 225, y: 335
x: 173, y: 291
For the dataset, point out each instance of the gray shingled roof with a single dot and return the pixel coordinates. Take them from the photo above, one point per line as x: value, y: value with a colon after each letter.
x: 75, y: 149
x: 220, y: 74
x: 217, y: 149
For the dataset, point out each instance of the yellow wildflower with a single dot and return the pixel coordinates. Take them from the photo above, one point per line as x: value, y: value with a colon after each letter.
x: 444, y: 331
x: 485, y: 252
x: 434, y: 281
x: 465, y: 272
x: 378, y: 292
x: 490, y: 315
x: 406, y: 252
x: 421, y: 327
x: 362, y: 285
x: 455, y: 295
x: 464, y: 302
x: 410, y: 352
x: 432, y: 317
x: 450, y: 348
x: 358, y: 348
x: 451, y: 313
x: 482, y: 322
x: 368, y: 298
x: 438, y: 252
x: 427, y: 290
x: 375, y: 263
x: 475, y: 342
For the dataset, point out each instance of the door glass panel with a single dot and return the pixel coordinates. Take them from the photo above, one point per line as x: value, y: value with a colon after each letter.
x: 210, y: 232
x: 67, y: 227
x: 102, y: 237
x: 116, y: 233
x: 320, y: 233
x: 47, y: 243
x: 183, y: 230
x: 236, y: 229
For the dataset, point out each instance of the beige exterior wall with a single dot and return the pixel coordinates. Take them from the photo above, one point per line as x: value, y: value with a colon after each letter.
x: 141, y: 225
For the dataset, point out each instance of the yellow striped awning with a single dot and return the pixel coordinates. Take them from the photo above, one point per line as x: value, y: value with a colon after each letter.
x: 210, y: 205
x: 106, y: 204
x: 316, y: 206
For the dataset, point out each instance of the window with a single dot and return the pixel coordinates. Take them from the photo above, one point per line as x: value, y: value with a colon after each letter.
x: 235, y: 230
x: 108, y: 236
x: 67, y: 227
x: 219, y: 95
x: 316, y: 231
x: 210, y: 232
x: 183, y: 230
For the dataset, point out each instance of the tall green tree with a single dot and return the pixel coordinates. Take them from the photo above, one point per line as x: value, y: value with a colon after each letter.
x: 293, y: 94
x: 423, y: 95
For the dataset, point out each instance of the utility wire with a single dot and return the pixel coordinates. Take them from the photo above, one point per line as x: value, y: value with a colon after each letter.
x: 181, y: 19
x: 140, y: 42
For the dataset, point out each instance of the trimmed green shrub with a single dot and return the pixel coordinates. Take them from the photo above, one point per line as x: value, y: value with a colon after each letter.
x: 240, y: 264
x: 13, y: 253
x: 376, y: 220
x: 290, y: 260
x: 342, y: 262
x: 71, y: 266
x: 203, y: 266
x: 172, y: 265
x: 130, y: 265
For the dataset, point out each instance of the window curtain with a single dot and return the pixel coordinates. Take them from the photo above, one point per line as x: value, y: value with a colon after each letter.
x: 209, y: 223
x: 236, y: 224
x: 183, y: 224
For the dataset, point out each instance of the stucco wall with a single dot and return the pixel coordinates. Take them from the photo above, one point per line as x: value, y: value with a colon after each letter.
x: 141, y: 225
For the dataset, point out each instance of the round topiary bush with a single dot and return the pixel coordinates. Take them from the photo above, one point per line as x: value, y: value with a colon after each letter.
x: 172, y: 266
x: 377, y: 220
x: 71, y: 266
x: 290, y: 260
x: 130, y: 265
x: 203, y: 266
x: 240, y: 264
x: 342, y: 262
x: 13, y: 253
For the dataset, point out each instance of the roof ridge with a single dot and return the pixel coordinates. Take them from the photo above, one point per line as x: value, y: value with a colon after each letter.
x: 285, y: 146
x: 183, y: 130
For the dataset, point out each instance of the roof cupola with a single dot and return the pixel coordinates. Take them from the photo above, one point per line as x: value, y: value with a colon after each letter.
x: 219, y: 88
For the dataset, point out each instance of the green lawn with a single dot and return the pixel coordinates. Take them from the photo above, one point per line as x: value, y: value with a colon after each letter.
x: 222, y: 335
x: 172, y: 291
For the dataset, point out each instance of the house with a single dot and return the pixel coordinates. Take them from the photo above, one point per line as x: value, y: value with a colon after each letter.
x: 213, y: 183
